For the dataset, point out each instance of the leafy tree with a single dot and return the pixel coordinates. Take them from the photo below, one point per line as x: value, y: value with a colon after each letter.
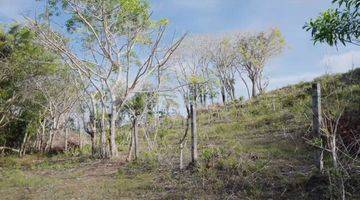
x: 223, y: 57
x: 135, y: 107
x: 341, y: 24
x: 190, y: 61
x: 254, y: 51
x: 120, y: 48
x: 22, y: 61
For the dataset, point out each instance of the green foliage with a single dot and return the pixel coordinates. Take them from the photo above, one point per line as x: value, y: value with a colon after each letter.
x: 210, y: 155
x: 337, y: 25
x: 124, y: 18
x: 22, y: 61
x: 259, y: 155
x: 256, y: 48
x: 139, y: 103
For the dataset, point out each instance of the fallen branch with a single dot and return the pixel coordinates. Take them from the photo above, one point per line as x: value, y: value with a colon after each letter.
x: 8, y: 148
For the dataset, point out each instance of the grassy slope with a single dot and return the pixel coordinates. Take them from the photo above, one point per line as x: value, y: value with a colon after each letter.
x: 248, y: 150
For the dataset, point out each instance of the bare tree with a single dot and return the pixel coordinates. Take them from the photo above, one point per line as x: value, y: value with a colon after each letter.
x: 121, y: 45
x: 255, y: 50
x: 223, y: 58
x: 61, y: 98
x: 190, y: 59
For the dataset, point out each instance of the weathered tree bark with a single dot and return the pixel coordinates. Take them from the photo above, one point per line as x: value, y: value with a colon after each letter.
x: 93, y: 123
x: 11, y: 149
x: 253, y: 85
x: 23, y: 144
x: 183, y: 140
x: 316, y: 108
x: 131, y: 148
x: 223, y: 95
x: 136, y: 138
x: 51, y: 135
x: 205, y: 101
x: 333, y: 151
x: 333, y: 141
x: 103, y: 152
x: 80, y: 139
x: 41, y: 145
x: 233, y: 91
x: 246, y: 86
x: 66, y: 139
x: 52, y: 139
x: 114, y: 151
x: 49, y: 142
x: 112, y: 115
x: 181, y: 156
x: 92, y: 132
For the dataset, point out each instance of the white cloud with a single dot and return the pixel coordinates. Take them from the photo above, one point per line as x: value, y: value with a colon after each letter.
x: 341, y: 62
x: 292, y: 79
x: 334, y: 63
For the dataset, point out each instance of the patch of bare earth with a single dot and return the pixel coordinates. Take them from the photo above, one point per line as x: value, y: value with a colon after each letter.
x: 94, y: 179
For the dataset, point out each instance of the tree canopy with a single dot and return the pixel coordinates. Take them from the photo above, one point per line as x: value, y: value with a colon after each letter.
x: 22, y: 63
x: 341, y: 24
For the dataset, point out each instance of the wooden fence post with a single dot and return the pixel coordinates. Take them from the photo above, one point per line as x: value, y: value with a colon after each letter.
x: 194, y: 138
x: 316, y: 108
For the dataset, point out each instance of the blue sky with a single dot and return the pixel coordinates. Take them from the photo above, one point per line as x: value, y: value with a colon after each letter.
x: 300, y: 61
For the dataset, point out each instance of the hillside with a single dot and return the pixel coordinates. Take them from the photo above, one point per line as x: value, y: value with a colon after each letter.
x: 249, y: 150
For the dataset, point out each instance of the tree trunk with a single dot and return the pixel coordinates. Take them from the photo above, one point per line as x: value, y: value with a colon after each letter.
x: 48, y: 146
x: 233, y: 90
x: 42, y: 137
x: 183, y: 139
x: 245, y: 83
x: 52, y: 140
x: 205, y: 101
x: 136, y: 138
x: 93, y: 145
x: 223, y: 94
x: 181, y: 156
x: 23, y: 144
x: 113, y: 116
x: 103, y: 134
x: 66, y: 139
x: 93, y: 123
x: 333, y: 151
x: 253, y: 83
x: 80, y: 139
x: 114, y: 150
x: 131, y: 148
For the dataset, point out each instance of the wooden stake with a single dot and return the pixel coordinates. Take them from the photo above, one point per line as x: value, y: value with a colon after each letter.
x: 316, y: 108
